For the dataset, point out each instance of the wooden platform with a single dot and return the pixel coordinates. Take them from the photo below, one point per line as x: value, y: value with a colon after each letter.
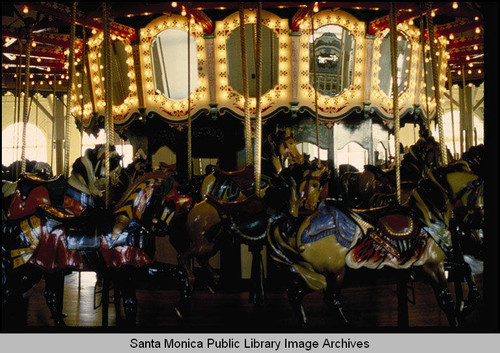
x: 371, y: 308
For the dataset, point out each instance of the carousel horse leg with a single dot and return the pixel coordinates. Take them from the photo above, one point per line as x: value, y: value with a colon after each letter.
x: 332, y: 296
x: 54, y: 293
x: 438, y: 281
x: 296, y: 293
x: 257, y: 292
x: 126, y: 286
x: 473, y: 297
x: 13, y: 304
x: 178, y: 274
x: 213, y: 274
x: 402, y: 294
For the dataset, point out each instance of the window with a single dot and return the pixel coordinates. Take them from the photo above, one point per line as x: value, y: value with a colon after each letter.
x: 354, y: 154
x: 312, y: 150
x: 12, y: 138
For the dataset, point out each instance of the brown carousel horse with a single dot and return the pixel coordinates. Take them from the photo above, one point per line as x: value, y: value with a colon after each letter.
x: 317, y: 251
x: 232, y: 207
x: 367, y: 188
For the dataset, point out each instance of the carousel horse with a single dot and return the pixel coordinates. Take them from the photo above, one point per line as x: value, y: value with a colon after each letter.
x: 128, y: 245
x: 232, y: 207
x: 117, y: 246
x: 363, y: 189
x: 32, y: 241
x: 316, y: 251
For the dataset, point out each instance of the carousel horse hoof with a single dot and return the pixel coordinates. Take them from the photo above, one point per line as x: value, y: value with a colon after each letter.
x: 210, y: 289
x: 183, y: 310
x: 473, y: 298
x: 179, y: 313
x: 59, y: 322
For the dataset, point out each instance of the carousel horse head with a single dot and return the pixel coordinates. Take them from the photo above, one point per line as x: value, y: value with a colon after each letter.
x: 474, y: 157
x: 89, y: 173
x: 425, y: 153
x: 450, y: 191
x: 312, y: 189
x: 281, y: 149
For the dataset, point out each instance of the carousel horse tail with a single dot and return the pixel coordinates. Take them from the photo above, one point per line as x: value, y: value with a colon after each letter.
x: 283, y: 251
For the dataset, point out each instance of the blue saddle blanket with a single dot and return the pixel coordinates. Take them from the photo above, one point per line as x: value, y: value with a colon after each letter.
x: 329, y: 220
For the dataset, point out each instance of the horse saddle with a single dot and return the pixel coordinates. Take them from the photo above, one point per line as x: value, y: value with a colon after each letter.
x: 396, y: 233
x: 33, y: 191
x: 330, y: 220
x: 80, y: 233
x: 242, y: 178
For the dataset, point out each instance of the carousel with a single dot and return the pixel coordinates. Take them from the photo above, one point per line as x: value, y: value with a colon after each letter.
x: 207, y: 165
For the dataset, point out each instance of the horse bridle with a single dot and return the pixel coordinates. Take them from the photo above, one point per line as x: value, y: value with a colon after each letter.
x: 308, y: 179
x: 286, y: 147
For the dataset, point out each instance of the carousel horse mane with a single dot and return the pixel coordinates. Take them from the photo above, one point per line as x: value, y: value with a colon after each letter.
x: 156, y: 174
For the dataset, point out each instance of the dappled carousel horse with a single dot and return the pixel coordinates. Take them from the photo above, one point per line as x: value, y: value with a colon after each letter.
x: 33, y: 241
x: 317, y: 251
x: 367, y: 188
x: 232, y: 207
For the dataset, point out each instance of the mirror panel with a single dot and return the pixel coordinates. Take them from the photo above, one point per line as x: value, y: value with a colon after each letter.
x: 169, y: 54
x: 332, y: 54
x: 270, y: 59
x: 403, y: 64
x: 119, y: 67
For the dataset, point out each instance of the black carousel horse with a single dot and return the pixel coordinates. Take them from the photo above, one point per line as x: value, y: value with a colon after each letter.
x: 232, y: 208
x: 369, y: 188
x: 316, y: 251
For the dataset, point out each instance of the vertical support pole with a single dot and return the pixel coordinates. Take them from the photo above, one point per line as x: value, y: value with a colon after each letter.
x: 315, y: 85
x: 26, y: 99
x: 395, y: 95
x: 244, y: 71
x: 71, y: 70
x: 189, y: 133
x: 109, y: 93
x: 437, y: 86
x: 58, y: 136
x: 402, y: 275
x: 258, y: 117
x: 450, y: 89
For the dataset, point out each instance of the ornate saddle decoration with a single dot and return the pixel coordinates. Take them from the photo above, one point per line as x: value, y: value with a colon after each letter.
x: 398, y: 242
x: 27, y: 239
x: 329, y: 220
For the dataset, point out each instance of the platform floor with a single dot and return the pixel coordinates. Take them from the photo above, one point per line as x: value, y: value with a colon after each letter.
x: 370, y: 308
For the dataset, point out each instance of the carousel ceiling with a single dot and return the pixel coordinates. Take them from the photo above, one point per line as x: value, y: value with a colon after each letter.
x: 461, y: 22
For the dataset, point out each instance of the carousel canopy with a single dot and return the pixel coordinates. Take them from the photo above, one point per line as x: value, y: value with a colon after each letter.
x: 50, y: 22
